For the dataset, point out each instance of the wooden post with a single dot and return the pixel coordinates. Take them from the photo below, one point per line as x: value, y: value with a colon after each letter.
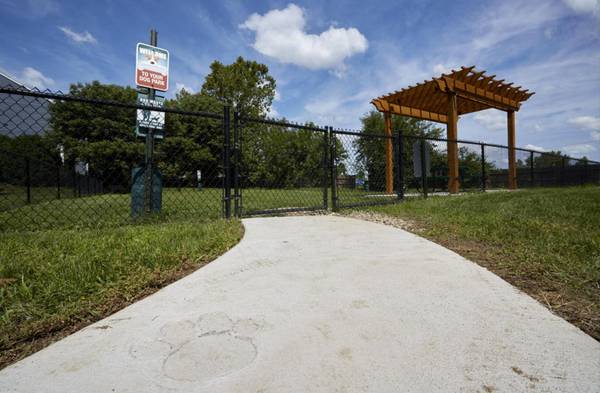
x: 512, y: 165
x: 452, y: 134
x: 389, y: 164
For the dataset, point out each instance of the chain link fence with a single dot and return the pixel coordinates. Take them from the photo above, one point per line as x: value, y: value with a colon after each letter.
x: 359, y: 168
x: 279, y: 166
x: 74, y: 161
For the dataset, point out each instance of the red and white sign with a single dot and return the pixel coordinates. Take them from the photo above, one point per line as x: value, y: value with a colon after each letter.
x: 152, y: 67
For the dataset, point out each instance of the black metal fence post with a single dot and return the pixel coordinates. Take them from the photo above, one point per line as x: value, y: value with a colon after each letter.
x: 562, y: 171
x: 87, y: 181
x: 227, y: 161
x: 483, y: 177
x: 585, y: 172
x: 325, y: 161
x: 58, y: 180
x: 531, y: 169
x: 400, y: 164
x: 28, y: 179
x: 236, y: 162
x: 74, y: 181
x: 423, y: 168
x: 332, y: 158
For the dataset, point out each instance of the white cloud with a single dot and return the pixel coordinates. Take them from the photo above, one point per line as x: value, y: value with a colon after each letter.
x: 500, y: 23
x: 180, y: 86
x: 579, y: 149
x: 595, y: 135
x: 491, y: 119
x: 85, y: 37
x: 277, y: 96
x: 586, y: 122
x: 583, y: 6
x: 441, y: 69
x: 535, y: 147
x: 34, y: 78
x: 281, y: 34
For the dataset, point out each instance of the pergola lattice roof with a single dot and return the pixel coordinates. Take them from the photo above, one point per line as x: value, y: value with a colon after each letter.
x: 474, y: 90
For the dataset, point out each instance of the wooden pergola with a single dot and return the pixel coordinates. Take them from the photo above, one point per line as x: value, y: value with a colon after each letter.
x: 445, y: 98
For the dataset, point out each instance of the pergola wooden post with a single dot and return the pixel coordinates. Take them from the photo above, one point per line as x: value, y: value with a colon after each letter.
x: 446, y: 98
x: 452, y: 147
x: 389, y: 161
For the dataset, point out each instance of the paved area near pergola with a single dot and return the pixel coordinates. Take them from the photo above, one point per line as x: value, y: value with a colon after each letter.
x: 323, y: 304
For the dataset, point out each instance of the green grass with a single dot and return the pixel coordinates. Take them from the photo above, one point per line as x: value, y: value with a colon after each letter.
x: 84, y: 259
x: 547, y: 241
x: 52, y: 281
x: 106, y: 210
x: 103, y: 210
x: 16, y: 196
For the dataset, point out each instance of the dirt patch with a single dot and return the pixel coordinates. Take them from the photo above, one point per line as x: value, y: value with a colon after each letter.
x: 4, y: 282
x: 558, y: 298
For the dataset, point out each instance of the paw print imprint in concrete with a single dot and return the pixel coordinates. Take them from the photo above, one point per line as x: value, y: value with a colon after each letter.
x: 208, y: 348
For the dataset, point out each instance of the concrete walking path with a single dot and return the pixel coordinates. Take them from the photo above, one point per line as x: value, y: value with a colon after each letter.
x: 323, y: 304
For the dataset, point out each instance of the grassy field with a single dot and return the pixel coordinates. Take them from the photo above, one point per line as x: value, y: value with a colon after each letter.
x: 102, y: 210
x: 544, y: 241
x: 114, y: 209
x: 12, y: 197
x: 53, y: 282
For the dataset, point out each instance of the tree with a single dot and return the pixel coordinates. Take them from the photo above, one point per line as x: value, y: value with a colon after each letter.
x: 32, y: 151
x: 191, y: 143
x: 103, y: 137
x: 244, y: 84
x: 546, y: 160
x: 276, y: 156
x: 100, y: 135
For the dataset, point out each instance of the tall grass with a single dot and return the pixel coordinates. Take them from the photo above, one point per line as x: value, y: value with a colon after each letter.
x: 53, y: 279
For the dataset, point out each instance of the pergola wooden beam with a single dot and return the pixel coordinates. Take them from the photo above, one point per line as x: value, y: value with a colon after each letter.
x: 384, y: 106
x: 471, y: 92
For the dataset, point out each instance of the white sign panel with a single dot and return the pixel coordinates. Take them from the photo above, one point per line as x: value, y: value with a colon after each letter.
x: 149, y: 118
x: 152, y: 67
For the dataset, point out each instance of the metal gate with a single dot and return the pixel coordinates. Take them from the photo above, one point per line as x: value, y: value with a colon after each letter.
x: 274, y: 167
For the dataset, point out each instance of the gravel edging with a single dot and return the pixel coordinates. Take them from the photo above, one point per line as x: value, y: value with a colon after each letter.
x: 381, y: 219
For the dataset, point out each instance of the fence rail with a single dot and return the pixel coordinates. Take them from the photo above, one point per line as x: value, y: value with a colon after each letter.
x: 71, y: 161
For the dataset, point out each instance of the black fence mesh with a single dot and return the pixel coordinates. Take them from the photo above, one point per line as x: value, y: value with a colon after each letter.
x: 360, y: 168
x: 69, y: 162
x: 74, y: 161
x: 282, y: 167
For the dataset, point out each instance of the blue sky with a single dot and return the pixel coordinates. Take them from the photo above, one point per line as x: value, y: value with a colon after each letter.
x: 331, y: 58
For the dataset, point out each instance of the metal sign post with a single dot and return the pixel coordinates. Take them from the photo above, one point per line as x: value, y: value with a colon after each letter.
x: 151, y: 74
x: 149, y: 145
